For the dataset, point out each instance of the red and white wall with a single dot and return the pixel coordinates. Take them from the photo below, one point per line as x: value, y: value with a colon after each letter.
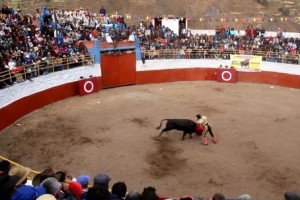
x: 23, y: 98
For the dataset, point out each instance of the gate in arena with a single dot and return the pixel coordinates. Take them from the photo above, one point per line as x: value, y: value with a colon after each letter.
x: 118, y: 64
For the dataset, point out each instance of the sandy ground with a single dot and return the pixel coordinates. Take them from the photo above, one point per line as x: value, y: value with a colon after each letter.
x: 114, y: 132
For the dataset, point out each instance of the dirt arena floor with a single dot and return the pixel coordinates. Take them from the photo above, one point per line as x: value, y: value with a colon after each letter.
x: 114, y: 132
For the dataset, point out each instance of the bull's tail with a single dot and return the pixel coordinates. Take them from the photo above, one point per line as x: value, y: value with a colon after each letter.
x: 160, y: 124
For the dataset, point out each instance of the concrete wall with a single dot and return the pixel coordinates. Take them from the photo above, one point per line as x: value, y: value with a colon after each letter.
x: 23, y: 98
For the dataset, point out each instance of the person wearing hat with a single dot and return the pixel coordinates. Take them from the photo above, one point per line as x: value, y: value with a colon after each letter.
x: 46, y: 197
x: 7, y: 186
x: 21, y: 172
x: 83, y: 180
x: 204, y: 127
x: 24, y: 192
x: 39, y: 178
x: 102, y: 180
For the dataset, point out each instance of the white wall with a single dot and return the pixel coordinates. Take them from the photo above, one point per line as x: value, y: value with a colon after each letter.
x: 20, y: 90
x: 44, y: 82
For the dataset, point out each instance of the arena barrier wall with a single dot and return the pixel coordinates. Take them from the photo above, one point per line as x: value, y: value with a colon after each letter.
x: 23, y: 98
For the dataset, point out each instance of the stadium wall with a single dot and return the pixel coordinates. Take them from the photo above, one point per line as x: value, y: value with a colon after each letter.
x: 21, y: 99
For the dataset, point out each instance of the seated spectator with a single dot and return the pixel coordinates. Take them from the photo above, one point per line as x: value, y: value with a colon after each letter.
x: 28, y: 192
x: 84, y: 182
x: 102, y: 180
x: 245, y: 197
x: 292, y: 196
x: 133, y: 195
x: 4, y: 167
x: 7, y: 186
x: 119, y: 189
x: 52, y: 186
x: 39, y: 178
x: 109, y: 38
x: 149, y: 193
x: 21, y: 172
x: 98, y: 193
x: 72, y: 190
x: 218, y: 196
x: 46, y: 197
x: 132, y: 37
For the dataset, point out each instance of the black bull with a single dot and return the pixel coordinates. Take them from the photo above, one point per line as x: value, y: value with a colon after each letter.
x: 186, y: 125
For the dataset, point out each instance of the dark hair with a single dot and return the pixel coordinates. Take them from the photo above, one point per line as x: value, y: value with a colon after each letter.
x: 119, y: 189
x: 149, y: 193
x: 218, y: 196
x: 60, y: 176
x: 198, y: 116
x: 98, y: 193
x: 133, y: 195
x: 5, y: 166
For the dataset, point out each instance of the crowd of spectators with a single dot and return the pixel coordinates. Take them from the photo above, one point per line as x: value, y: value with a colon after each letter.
x: 50, y: 185
x: 30, y: 44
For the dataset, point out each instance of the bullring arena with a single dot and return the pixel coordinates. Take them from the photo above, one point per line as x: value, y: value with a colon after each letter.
x: 84, y: 96
x: 113, y: 130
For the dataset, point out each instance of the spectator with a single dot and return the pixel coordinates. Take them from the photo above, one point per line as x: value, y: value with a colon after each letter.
x: 292, y: 196
x: 98, y: 193
x: 132, y: 37
x: 39, y: 178
x: 133, y: 195
x: 149, y: 193
x: 72, y: 190
x: 21, y: 172
x: 52, y: 186
x: 245, y: 197
x: 102, y: 11
x: 46, y: 197
x: 218, y: 196
x: 4, y: 167
x: 119, y: 189
x: 84, y: 182
x: 102, y: 180
x: 7, y: 186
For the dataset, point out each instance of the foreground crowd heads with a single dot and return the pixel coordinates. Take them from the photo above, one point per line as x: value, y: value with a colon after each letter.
x: 50, y: 185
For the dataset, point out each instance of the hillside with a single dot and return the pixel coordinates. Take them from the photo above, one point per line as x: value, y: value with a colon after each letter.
x: 213, y: 12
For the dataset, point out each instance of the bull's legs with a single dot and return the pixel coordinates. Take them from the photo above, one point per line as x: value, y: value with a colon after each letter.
x: 184, y: 133
x: 164, y: 130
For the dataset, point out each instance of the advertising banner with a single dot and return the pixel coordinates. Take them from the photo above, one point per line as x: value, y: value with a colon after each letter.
x: 245, y: 62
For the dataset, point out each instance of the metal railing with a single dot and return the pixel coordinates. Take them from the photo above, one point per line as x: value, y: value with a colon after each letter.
x: 30, y: 71
x: 219, y: 54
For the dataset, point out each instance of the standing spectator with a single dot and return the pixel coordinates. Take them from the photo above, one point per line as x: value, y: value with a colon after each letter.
x: 102, y: 11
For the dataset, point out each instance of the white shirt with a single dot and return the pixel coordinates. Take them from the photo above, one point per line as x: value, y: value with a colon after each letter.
x: 108, y: 39
x: 131, y: 38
